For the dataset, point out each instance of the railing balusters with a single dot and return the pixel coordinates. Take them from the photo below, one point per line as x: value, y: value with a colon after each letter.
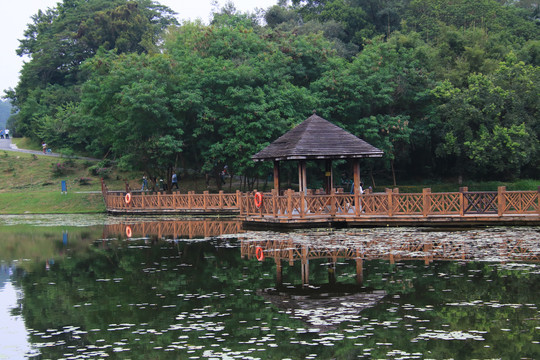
x: 293, y: 204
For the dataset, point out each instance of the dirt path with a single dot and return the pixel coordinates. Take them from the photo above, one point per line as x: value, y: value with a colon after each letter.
x: 7, y: 145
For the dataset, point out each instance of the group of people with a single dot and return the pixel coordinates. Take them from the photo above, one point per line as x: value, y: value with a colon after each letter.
x: 348, y: 184
x: 162, y: 185
x: 4, y: 134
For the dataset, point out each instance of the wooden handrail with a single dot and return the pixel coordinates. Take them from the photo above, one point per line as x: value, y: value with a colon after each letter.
x: 299, y: 205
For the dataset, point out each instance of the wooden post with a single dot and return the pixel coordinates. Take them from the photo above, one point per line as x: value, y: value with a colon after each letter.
x: 289, y: 203
x: 463, y: 200
x: 426, y: 201
x: 276, y: 176
x: 302, y: 177
x: 357, y: 204
x: 359, y: 270
x: 538, y: 198
x: 501, y: 203
x: 159, y: 200
x: 328, y: 176
x: 305, y: 265
x: 205, y: 195
x: 275, y: 194
x: 333, y: 203
x: 356, y: 175
x: 239, y: 201
x: 390, y: 205
x: 302, y: 207
x: 279, y: 272
x: 221, y: 199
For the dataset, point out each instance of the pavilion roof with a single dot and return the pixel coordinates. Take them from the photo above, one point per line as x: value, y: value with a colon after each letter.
x: 317, y: 138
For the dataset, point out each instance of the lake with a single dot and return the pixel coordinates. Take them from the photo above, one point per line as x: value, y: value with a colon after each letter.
x: 92, y: 286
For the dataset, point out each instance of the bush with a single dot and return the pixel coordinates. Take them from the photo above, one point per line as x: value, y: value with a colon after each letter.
x: 84, y: 181
x: 102, y: 172
x: 102, y: 169
x: 59, y: 169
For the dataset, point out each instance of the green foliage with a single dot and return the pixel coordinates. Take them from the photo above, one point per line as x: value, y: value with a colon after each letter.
x: 492, y: 126
x: 444, y: 87
x: 59, y: 40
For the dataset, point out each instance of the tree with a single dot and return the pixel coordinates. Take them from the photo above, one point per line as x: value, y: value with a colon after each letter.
x: 131, y: 112
x: 59, y: 40
x: 492, y: 126
x: 373, y: 95
x: 242, y: 89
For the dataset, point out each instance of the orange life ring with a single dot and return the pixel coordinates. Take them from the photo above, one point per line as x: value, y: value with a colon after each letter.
x: 129, y: 233
x: 127, y: 198
x: 259, y: 253
x: 258, y: 199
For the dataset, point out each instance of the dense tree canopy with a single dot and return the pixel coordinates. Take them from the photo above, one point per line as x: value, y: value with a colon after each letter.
x: 445, y: 88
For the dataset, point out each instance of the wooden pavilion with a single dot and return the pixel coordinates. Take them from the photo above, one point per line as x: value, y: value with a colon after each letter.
x: 317, y: 139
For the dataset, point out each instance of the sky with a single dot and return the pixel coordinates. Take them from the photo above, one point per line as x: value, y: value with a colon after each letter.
x: 15, y: 15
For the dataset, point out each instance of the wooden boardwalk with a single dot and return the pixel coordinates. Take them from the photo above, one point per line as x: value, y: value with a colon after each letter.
x: 290, y: 208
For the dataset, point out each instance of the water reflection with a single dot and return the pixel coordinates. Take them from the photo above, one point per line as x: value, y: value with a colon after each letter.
x: 196, y: 289
x: 14, y: 335
x: 176, y: 229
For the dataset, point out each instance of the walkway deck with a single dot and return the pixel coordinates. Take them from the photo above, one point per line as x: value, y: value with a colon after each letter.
x: 391, y: 208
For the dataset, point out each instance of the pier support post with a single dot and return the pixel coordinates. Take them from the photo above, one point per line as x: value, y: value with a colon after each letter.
x: 356, y: 176
x: 289, y: 203
x: 501, y: 203
x: 359, y: 270
x: 276, y: 176
x: 390, y: 205
x: 220, y: 199
x: 239, y: 202
x: 426, y: 201
x: 538, y: 204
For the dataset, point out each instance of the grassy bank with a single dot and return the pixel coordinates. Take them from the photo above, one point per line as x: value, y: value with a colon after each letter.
x: 32, y: 184
x: 50, y: 203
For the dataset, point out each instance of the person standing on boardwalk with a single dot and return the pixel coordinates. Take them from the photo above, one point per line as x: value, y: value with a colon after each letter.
x: 174, y: 181
x: 44, y: 146
x: 7, y: 133
x: 144, y: 183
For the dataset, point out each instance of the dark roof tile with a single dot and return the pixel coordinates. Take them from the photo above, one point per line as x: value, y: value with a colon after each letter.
x: 317, y: 138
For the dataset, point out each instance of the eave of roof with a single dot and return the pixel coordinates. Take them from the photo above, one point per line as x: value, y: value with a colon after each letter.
x: 317, y: 138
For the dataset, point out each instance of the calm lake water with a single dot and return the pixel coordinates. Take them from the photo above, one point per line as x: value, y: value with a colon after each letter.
x: 92, y: 287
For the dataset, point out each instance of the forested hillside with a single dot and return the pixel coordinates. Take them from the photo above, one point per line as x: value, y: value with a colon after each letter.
x: 446, y: 88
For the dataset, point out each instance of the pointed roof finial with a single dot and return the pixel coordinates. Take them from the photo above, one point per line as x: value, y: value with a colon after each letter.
x: 314, y: 112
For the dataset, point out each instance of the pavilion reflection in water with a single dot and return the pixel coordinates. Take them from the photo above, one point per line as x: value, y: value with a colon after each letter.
x: 324, y: 306
x: 391, y: 245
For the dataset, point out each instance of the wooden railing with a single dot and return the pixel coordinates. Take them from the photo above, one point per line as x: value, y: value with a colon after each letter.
x: 291, y: 204
x: 392, y: 203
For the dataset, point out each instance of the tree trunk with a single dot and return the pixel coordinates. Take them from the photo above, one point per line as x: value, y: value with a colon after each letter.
x: 372, y: 177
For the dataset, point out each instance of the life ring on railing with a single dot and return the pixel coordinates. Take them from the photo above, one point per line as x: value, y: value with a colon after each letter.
x: 259, y: 253
x: 129, y: 233
x: 258, y: 199
x: 127, y: 198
